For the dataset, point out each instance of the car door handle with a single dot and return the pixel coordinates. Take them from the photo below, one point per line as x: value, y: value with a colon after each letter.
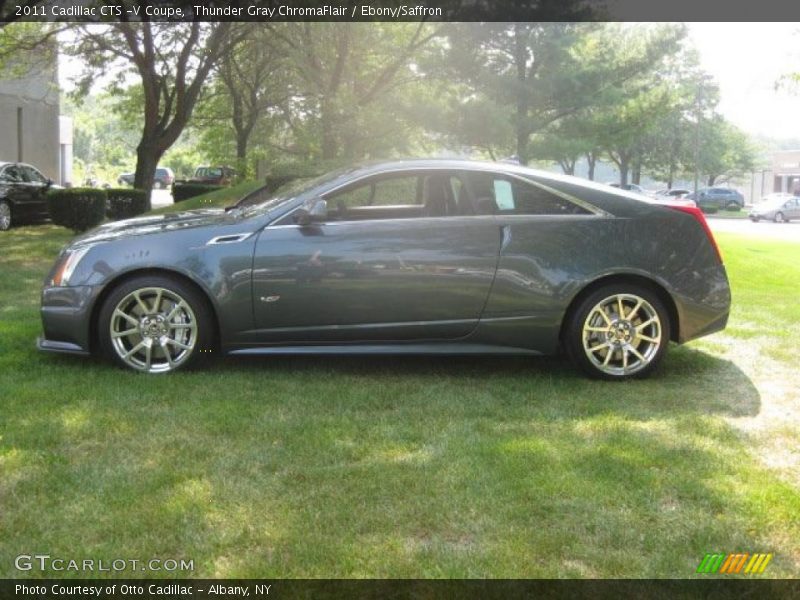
x: 505, y: 237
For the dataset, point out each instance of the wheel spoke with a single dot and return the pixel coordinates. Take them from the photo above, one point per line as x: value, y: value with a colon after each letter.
x: 148, y: 356
x: 138, y: 297
x: 167, y: 353
x: 178, y: 344
x: 126, y: 333
x: 624, y: 358
x: 609, y: 354
x: 647, y: 338
x: 634, y: 310
x: 596, y: 329
x: 620, y: 307
x: 641, y: 326
x: 133, y: 350
x: 637, y: 354
x: 157, y: 300
x: 181, y: 325
x: 178, y: 306
x: 126, y: 316
x: 600, y: 347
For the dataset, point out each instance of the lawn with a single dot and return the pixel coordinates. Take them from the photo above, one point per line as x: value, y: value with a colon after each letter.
x: 412, y: 467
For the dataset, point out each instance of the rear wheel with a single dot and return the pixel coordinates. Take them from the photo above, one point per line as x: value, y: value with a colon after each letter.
x: 733, y: 205
x: 155, y: 325
x: 618, y: 332
x: 5, y: 215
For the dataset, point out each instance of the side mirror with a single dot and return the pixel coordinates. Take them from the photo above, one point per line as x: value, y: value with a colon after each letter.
x: 314, y: 210
x: 48, y: 184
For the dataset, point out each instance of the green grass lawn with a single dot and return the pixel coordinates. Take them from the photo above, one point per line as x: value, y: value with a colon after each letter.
x: 412, y: 467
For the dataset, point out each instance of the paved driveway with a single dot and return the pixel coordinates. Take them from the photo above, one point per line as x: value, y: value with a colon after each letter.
x: 766, y: 229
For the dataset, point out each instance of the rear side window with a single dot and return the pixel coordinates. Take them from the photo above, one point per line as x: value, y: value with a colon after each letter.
x: 510, y: 196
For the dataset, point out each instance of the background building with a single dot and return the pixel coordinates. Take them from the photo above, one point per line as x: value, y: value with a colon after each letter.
x: 31, y: 129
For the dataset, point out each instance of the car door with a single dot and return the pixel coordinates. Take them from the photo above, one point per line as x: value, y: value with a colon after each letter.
x: 37, y: 186
x: 393, y: 261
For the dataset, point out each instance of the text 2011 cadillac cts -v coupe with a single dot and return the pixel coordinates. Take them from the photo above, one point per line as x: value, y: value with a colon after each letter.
x: 422, y: 257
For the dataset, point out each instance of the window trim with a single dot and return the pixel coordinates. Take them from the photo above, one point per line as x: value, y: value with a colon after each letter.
x: 592, y: 210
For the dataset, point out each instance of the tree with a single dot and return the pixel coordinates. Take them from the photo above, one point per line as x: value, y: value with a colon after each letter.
x: 172, y: 62
x: 725, y: 151
x: 349, y: 78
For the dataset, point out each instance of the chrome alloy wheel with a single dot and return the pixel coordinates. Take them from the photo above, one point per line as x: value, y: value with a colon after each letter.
x: 5, y: 216
x: 622, y: 334
x: 153, y: 329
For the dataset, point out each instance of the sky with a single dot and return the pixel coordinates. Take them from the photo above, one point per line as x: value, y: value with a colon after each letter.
x: 746, y: 59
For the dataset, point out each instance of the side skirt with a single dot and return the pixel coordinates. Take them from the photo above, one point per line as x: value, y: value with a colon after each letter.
x: 396, y: 349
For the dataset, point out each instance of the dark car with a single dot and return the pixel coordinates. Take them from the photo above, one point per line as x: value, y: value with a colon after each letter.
x: 164, y: 177
x: 712, y: 199
x: 407, y: 257
x: 213, y: 175
x: 23, y: 195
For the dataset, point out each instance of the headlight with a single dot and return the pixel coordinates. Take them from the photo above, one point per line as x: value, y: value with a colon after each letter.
x: 67, y: 264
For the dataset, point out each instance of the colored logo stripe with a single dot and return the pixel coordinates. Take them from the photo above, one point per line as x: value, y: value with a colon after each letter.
x: 734, y: 563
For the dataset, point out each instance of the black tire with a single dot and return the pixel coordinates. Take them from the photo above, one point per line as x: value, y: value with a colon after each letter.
x: 779, y: 217
x: 580, y: 345
x: 196, y: 323
x: 733, y: 206
x: 6, y: 215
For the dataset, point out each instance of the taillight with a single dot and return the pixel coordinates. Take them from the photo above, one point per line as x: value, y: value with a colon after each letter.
x: 700, y: 217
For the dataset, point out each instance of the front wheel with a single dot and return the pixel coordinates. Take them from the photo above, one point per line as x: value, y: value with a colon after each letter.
x: 5, y: 215
x: 155, y: 325
x: 779, y: 218
x: 618, y: 332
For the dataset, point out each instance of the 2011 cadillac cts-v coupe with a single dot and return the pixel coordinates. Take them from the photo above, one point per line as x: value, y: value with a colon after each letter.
x: 422, y: 257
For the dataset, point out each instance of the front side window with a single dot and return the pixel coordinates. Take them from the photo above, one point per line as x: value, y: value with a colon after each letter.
x: 32, y: 175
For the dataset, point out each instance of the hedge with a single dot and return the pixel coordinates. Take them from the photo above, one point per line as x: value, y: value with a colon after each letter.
x: 124, y: 203
x: 77, y: 209
x: 184, y: 191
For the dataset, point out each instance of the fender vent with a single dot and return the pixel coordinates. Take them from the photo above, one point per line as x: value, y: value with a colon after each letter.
x: 228, y: 239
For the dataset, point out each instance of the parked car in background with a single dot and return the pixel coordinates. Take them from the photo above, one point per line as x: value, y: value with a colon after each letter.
x: 164, y: 178
x: 712, y: 199
x: 424, y: 257
x: 631, y: 187
x: 213, y: 175
x: 779, y: 207
x: 23, y: 191
x: 673, y: 193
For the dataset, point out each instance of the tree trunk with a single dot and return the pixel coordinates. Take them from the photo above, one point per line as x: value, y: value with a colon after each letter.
x: 568, y: 166
x: 711, y: 180
x: 591, y: 160
x: 147, y: 157
x: 636, y: 174
x: 521, y: 118
x: 624, y: 167
x: 328, y: 132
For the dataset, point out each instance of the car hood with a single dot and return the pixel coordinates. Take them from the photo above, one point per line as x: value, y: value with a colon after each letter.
x: 153, y: 224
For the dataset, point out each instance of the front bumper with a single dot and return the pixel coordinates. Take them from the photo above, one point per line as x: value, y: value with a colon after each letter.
x: 66, y: 319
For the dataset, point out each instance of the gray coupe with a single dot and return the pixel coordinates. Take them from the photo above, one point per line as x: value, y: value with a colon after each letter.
x: 404, y: 257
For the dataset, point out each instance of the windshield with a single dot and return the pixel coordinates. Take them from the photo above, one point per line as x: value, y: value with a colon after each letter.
x: 262, y: 200
x: 773, y: 200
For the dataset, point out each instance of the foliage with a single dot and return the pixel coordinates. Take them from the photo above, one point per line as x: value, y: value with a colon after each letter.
x: 282, y: 173
x: 124, y: 203
x: 171, y: 62
x: 77, y: 209
x: 183, y: 191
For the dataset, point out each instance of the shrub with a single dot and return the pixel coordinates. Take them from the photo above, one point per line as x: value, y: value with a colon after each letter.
x: 184, y: 191
x: 283, y: 173
x: 124, y: 203
x: 77, y: 209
